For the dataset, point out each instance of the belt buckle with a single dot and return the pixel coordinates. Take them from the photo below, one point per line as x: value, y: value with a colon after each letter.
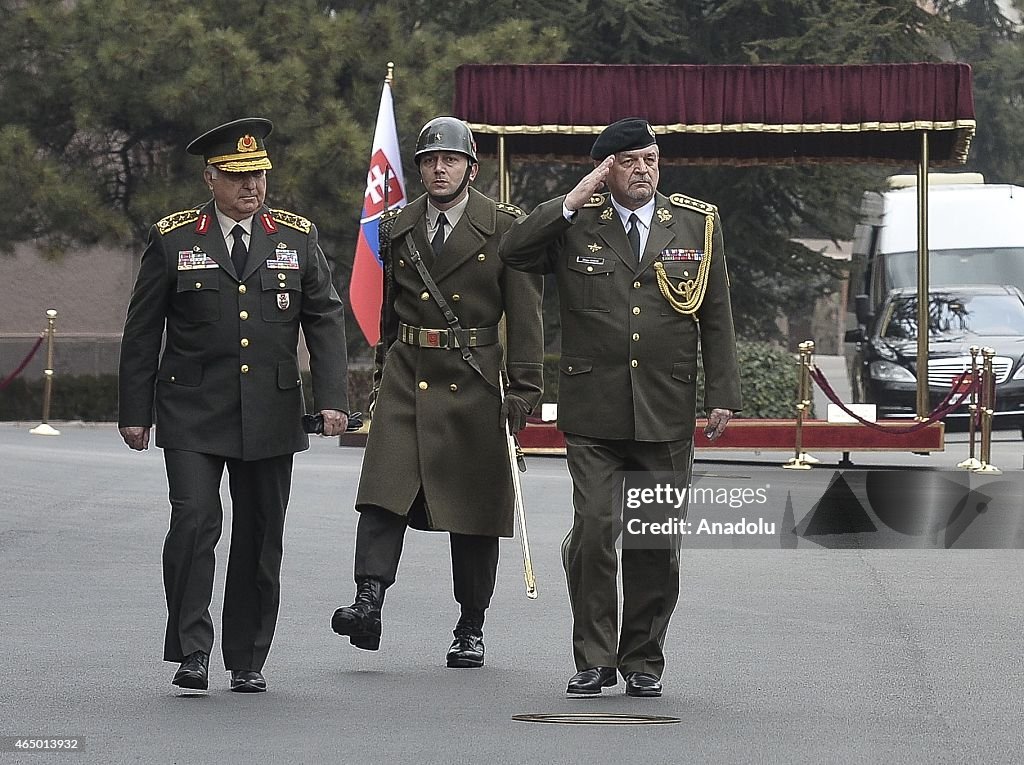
x: 433, y: 338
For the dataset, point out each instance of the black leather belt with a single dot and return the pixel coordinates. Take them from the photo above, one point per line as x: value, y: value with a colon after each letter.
x: 447, y: 338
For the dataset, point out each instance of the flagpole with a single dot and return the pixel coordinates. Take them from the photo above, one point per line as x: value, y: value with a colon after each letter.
x: 388, y: 79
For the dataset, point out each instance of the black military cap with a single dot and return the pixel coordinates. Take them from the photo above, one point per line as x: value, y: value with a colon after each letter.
x: 624, y: 135
x: 235, y: 147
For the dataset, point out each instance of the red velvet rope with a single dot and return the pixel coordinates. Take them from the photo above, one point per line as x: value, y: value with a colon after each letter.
x: 24, y: 363
x: 943, y: 408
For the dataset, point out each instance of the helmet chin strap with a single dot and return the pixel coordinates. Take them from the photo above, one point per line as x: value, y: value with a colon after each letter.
x: 446, y: 198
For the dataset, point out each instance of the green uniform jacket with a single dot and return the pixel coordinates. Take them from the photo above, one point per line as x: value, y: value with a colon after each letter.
x: 227, y: 382
x: 629, y: 361
x: 436, y: 422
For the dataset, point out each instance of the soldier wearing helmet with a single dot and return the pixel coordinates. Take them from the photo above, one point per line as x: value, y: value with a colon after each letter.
x: 436, y: 455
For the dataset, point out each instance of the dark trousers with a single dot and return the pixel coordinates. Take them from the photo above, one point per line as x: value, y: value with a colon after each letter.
x: 650, y: 577
x: 379, y: 539
x: 252, y: 593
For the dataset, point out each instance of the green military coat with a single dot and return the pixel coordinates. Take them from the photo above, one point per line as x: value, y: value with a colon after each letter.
x: 227, y: 382
x: 436, y: 422
x: 629, y: 360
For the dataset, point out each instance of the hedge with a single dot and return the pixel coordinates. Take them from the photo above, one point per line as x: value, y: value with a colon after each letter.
x: 767, y: 372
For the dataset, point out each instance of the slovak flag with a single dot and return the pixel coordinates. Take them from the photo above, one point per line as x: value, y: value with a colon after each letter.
x: 385, y: 189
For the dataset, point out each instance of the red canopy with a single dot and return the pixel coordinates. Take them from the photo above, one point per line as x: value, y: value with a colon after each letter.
x: 725, y: 114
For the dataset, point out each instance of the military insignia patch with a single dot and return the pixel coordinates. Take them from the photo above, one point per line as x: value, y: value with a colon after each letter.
x: 607, y: 214
x: 664, y: 216
x: 203, y: 224
x: 246, y: 144
x: 510, y: 209
x: 285, y: 259
x: 589, y: 260
x: 594, y: 247
x: 191, y: 260
x: 680, y: 254
x: 283, y: 301
x: 267, y: 221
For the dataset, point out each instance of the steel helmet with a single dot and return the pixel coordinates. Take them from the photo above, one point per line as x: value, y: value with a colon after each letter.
x: 446, y: 134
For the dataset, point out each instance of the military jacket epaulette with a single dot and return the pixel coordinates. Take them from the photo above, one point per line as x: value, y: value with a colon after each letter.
x: 681, y: 200
x: 595, y: 201
x: 387, y: 221
x: 511, y: 209
x: 170, y: 222
x: 292, y: 220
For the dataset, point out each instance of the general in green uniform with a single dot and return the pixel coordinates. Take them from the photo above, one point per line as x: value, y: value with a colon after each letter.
x: 225, y: 287
x: 642, y: 282
x: 436, y: 455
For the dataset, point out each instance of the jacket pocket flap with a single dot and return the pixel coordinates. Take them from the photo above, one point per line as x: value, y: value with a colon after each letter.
x: 180, y: 372
x: 573, y: 365
x: 198, y: 281
x: 685, y: 371
x: 591, y: 266
x: 288, y: 376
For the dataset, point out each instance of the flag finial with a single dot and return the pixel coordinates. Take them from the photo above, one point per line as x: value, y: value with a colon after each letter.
x: 390, y: 76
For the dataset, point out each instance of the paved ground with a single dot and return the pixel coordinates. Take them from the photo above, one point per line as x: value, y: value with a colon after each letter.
x: 795, y: 654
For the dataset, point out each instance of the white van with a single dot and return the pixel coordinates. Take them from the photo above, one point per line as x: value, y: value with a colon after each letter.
x: 975, y: 235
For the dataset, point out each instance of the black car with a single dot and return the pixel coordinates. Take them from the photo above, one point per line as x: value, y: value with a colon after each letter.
x: 885, y: 366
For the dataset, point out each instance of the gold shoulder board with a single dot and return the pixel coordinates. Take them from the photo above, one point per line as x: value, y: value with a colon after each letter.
x: 177, y: 220
x: 595, y: 201
x: 681, y: 200
x: 512, y: 210
x: 292, y: 220
x: 390, y: 213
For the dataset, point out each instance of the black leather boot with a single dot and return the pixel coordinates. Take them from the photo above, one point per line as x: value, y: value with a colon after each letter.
x: 467, y: 650
x: 361, y: 620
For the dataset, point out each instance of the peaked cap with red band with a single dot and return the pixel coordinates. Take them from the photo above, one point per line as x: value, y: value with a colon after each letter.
x: 235, y: 147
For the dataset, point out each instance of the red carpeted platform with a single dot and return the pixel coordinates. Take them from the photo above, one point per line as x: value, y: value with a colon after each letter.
x: 780, y: 435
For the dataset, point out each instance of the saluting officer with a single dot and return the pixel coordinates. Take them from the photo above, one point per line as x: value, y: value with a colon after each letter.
x: 436, y: 455
x: 226, y: 286
x: 641, y: 281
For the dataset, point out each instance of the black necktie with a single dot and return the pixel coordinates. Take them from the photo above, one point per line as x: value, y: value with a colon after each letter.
x: 633, y: 234
x: 437, y: 243
x: 238, y: 252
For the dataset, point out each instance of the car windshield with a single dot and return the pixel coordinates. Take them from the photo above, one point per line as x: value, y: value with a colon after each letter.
x: 952, y: 316
x: 954, y: 268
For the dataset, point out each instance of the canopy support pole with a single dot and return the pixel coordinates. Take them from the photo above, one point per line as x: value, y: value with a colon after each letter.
x: 504, y: 172
x: 922, y: 279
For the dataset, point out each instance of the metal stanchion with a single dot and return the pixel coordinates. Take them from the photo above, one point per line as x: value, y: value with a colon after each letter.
x: 44, y: 428
x: 988, y: 403
x: 801, y: 460
x: 972, y: 463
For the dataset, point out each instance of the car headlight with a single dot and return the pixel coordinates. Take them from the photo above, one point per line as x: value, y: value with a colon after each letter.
x: 889, y: 372
x: 1019, y: 374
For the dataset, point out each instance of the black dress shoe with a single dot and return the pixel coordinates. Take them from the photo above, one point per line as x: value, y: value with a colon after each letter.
x: 467, y: 650
x: 642, y: 684
x: 193, y: 672
x: 247, y: 681
x: 589, y: 682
